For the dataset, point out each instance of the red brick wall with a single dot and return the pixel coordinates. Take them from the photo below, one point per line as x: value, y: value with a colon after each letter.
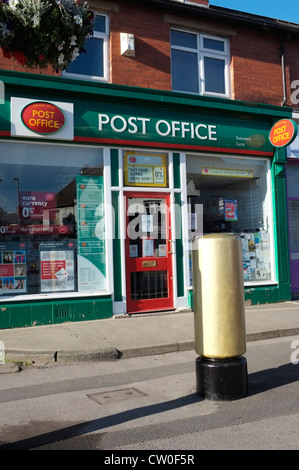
x: 256, y: 74
x: 256, y: 67
x: 150, y: 68
x: 14, y: 65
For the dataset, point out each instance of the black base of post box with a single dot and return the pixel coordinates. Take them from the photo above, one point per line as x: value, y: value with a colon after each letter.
x: 221, y: 379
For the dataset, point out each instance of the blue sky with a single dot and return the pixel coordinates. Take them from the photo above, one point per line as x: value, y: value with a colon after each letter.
x: 287, y: 10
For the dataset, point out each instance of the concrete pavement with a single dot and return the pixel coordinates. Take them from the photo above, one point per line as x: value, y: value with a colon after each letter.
x: 131, y: 336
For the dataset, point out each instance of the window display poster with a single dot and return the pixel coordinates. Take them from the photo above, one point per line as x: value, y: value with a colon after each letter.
x: 230, y: 210
x: 256, y: 256
x: 133, y: 251
x: 37, y: 205
x: 91, y: 233
x: 162, y: 250
x: 145, y: 170
x: 57, y: 267
x: 13, y: 273
x: 147, y: 223
x: 147, y: 247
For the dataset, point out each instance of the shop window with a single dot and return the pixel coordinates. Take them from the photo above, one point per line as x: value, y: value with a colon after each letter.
x: 293, y: 209
x: 234, y: 196
x: 51, y: 219
x: 199, y: 63
x: 93, y: 63
x: 145, y: 169
x: 293, y: 180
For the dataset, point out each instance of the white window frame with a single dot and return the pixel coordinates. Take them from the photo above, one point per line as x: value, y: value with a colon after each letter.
x: 105, y: 38
x: 207, y: 52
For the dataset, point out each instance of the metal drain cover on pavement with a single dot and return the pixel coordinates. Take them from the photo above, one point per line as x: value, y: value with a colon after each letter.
x: 116, y: 395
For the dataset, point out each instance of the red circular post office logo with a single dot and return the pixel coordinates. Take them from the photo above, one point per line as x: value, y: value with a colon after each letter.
x: 283, y: 133
x: 43, y: 118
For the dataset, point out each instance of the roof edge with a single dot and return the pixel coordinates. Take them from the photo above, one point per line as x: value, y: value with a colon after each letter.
x: 234, y: 16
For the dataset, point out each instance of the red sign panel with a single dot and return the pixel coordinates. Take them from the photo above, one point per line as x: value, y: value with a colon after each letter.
x: 50, y: 268
x: 283, y: 133
x: 37, y: 205
x: 38, y: 229
x: 43, y: 118
x: 6, y: 270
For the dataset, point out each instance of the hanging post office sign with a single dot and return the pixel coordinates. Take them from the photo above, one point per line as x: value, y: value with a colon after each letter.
x: 283, y: 133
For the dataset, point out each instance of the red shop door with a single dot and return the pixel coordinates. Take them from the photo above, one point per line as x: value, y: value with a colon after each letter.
x: 148, y: 252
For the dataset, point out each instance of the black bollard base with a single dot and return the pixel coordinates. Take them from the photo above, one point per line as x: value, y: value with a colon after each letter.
x: 221, y: 379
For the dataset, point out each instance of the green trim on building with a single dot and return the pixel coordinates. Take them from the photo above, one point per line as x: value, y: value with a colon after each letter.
x: 116, y: 249
x: 72, y: 88
x: 114, y: 167
x: 280, y: 222
x: 176, y: 171
x: 17, y: 314
x: 267, y: 294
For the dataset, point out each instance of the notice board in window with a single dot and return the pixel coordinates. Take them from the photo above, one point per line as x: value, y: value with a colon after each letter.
x: 91, y: 234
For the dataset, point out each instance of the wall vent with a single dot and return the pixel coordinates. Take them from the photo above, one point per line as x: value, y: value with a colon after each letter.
x: 63, y: 313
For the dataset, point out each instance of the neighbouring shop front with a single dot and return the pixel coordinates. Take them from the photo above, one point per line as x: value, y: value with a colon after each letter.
x: 103, y: 187
x: 293, y: 210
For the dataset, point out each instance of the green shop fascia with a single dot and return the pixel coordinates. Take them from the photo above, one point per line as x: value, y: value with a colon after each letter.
x: 66, y: 147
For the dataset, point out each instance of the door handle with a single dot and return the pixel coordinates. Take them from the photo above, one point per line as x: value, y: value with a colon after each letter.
x: 170, y: 252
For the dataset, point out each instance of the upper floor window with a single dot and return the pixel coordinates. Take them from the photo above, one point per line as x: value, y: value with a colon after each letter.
x: 92, y: 64
x: 199, y: 63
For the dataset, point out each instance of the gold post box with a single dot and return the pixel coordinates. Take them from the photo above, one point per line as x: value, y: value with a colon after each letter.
x: 219, y: 317
x: 218, y: 295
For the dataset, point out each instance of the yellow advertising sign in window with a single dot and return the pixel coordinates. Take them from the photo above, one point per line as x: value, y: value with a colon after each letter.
x: 145, y: 170
x: 227, y: 172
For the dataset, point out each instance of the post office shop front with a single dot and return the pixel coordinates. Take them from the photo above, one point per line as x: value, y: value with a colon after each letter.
x: 97, y: 216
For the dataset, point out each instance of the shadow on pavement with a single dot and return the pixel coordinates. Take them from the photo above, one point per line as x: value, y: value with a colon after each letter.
x: 269, y: 379
x: 100, y: 423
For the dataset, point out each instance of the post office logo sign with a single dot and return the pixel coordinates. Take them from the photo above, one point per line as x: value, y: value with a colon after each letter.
x: 283, y: 133
x: 43, y: 118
